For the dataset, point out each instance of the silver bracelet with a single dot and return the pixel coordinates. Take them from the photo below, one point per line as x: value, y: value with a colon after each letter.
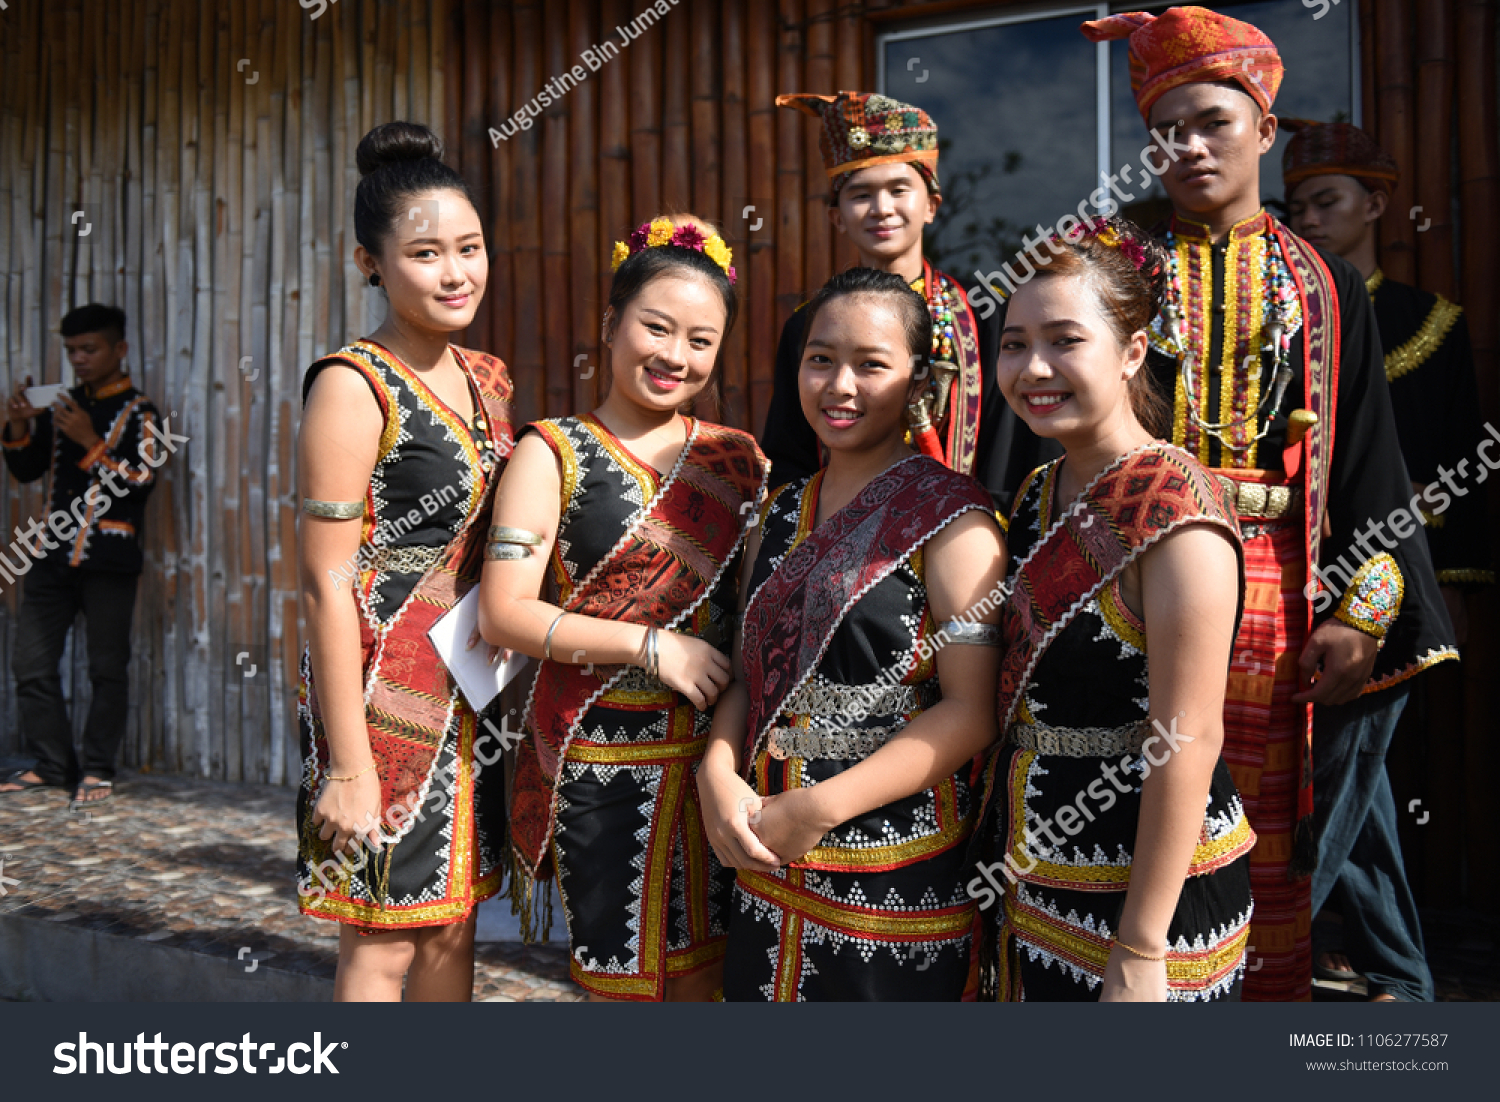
x: 977, y: 635
x: 547, y: 643
x: 503, y: 533
x: 333, y: 510
x: 653, y: 655
x: 495, y: 551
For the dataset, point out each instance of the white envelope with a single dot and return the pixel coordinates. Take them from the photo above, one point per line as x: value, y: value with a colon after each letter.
x: 479, y: 679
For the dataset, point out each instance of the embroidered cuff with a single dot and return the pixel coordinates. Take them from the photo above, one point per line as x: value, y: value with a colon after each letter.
x: 92, y: 456
x: 1466, y: 577
x: 15, y: 445
x: 1373, y: 600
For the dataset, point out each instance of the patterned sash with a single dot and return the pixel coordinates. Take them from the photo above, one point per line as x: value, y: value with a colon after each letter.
x: 410, y: 697
x: 790, y: 620
x: 1322, y: 332
x: 1141, y: 497
x: 664, y: 566
x: 961, y: 441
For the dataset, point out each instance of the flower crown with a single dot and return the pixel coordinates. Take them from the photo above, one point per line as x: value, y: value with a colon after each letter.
x: 1105, y: 232
x: 663, y: 231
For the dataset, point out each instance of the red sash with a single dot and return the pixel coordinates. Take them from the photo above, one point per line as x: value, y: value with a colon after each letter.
x: 1141, y: 497
x: 660, y: 571
x: 960, y: 442
x: 410, y: 698
x: 790, y: 620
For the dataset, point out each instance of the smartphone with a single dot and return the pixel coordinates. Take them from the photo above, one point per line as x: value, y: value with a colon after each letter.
x: 41, y: 397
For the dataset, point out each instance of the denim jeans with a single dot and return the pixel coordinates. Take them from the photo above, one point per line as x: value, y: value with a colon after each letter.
x: 1360, y: 871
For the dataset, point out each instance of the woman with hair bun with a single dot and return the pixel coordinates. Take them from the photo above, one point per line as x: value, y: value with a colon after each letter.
x: 399, y: 836
x: 1122, y: 842
x: 613, y: 559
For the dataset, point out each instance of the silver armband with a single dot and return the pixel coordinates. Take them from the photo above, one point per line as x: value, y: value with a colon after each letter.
x: 977, y: 635
x: 333, y: 510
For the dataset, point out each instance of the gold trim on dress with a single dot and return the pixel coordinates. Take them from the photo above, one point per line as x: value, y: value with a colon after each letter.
x: 1415, y: 352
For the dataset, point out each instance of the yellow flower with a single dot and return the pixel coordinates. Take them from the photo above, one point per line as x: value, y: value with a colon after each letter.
x: 661, y: 232
x: 622, y: 251
x: 1109, y: 237
x: 718, y: 252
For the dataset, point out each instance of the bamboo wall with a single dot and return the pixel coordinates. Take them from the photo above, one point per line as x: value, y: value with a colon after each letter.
x: 220, y: 208
x: 211, y: 149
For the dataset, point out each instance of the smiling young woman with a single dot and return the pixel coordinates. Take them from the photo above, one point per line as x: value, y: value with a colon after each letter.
x: 838, y: 777
x: 612, y: 560
x: 387, y: 421
x: 1130, y: 582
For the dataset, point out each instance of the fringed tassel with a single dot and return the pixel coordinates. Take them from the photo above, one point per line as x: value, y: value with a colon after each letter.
x: 530, y: 900
x: 1304, y: 850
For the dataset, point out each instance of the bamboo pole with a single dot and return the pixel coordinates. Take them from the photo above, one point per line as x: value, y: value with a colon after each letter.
x: 670, y: 39
x: 1434, y: 146
x: 817, y: 253
x: 764, y: 319
x: 642, y: 60
x: 1393, y: 20
x: 557, y: 301
x: 586, y: 249
x: 620, y: 210
x: 738, y: 369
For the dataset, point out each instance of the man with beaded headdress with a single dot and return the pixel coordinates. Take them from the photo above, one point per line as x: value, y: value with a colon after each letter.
x: 881, y: 158
x: 1269, y: 350
x: 1338, y: 185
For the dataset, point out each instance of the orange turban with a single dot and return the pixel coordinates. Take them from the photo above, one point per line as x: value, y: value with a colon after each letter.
x: 1191, y: 46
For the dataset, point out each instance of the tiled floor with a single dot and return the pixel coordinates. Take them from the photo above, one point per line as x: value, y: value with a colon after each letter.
x: 208, y: 867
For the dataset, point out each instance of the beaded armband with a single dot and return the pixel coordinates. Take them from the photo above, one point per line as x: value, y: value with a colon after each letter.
x: 1373, y: 600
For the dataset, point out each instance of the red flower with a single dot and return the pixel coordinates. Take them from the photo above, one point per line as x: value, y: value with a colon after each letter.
x: 689, y: 237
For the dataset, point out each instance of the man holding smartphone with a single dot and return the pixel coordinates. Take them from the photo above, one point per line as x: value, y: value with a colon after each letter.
x: 102, y: 443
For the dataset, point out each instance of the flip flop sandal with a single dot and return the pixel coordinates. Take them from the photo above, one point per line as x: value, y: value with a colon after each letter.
x: 19, y: 777
x: 84, y: 789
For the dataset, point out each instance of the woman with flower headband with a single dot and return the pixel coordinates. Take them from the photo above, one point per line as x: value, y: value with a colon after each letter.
x: 1121, y: 840
x: 838, y: 780
x: 634, y: 514
x: 400, y: 839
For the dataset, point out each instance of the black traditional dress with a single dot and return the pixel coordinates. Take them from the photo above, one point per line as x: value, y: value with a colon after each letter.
x: 1429, y: 363
x: 1068, y: 779
x: 980, y: 436
x: 420, y: 553
x: 837, y: 660
x: 604, y: 792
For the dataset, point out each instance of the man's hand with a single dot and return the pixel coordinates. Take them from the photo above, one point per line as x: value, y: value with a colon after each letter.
x: 18, y: 410
x: 1335, y: 664
x: 73, y: 421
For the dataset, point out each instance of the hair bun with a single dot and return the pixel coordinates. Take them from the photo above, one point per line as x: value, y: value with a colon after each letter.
x: 394, y: 143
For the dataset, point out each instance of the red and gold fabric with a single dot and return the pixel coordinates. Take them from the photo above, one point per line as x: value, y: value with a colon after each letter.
x: 1192, y: 45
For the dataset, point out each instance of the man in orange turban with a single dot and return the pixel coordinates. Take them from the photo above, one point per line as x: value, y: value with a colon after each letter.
x: 1268, y: 350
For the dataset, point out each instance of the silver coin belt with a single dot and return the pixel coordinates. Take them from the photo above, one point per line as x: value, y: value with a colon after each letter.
x: 817, y: 743
x: 1080, y: 742
x: 830, y: 702
x: 405, y: 560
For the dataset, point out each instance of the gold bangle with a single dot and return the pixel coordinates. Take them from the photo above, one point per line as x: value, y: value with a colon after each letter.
x: 1137, y: 952
x: 355, y: 776
x: 333, y: 510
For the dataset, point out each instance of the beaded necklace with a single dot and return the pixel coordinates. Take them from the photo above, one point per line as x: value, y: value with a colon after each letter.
x: 1280, y: 305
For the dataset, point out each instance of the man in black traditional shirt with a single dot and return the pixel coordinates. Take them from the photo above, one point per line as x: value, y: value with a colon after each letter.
x: 102, y: 442
x: 1338, y: 184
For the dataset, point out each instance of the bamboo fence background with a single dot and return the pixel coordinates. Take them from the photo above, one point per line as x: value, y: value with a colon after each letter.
x: 211, y: 148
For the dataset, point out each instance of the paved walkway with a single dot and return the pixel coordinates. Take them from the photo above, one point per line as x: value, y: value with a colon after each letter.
x: 208, y: 868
